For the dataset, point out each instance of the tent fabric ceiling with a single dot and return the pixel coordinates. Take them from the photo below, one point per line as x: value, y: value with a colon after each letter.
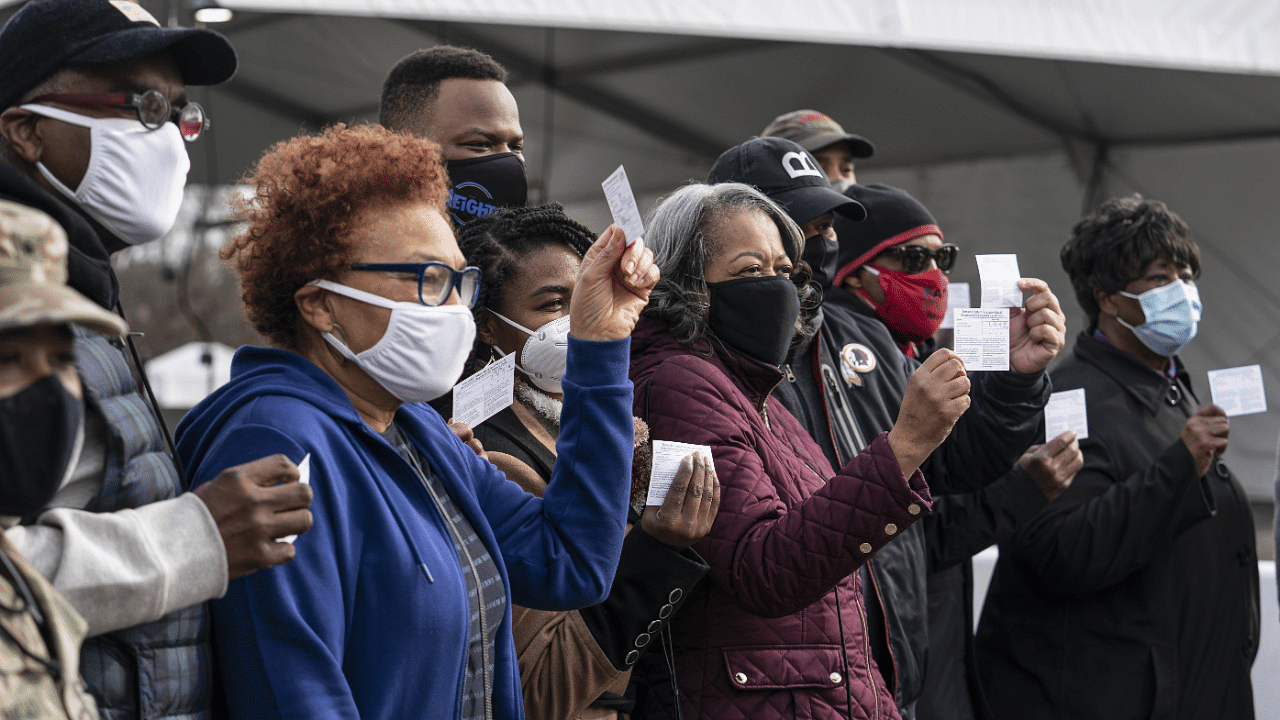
x: 680, y: 100
x: 1226, y: 35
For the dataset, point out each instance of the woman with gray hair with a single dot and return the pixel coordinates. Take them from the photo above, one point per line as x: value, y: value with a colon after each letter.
x: 780, y: 631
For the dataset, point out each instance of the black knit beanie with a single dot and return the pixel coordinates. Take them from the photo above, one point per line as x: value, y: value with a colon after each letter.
x: 893, y: 217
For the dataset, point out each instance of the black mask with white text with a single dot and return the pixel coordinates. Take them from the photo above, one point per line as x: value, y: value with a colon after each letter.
x: 480, y: 185
x: 755, y: 315
x: 38, y: 428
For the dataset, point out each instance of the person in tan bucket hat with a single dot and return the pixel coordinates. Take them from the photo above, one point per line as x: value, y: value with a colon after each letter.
x: 41, y: 434
x: 33, y: 276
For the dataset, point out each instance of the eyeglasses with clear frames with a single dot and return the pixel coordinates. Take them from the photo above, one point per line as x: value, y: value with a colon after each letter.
x: 153, y: 109
x: 436, y: 281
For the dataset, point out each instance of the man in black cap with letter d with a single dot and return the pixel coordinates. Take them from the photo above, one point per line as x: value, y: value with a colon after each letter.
x: 93, y: 119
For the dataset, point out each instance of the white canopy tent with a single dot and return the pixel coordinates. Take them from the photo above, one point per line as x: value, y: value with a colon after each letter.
x: 1005, y: 117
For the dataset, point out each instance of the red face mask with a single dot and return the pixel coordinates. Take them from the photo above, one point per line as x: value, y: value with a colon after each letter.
x: 914, y: 305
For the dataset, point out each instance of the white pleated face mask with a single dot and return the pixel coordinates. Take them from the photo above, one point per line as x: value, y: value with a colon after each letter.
x: 546, y: 353
x: 423, y: 350
x: 133, y: 185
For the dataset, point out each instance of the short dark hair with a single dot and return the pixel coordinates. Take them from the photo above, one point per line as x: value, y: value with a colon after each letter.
x: 1110, y: 248
x: 497, y: 242
x: 413, y: 84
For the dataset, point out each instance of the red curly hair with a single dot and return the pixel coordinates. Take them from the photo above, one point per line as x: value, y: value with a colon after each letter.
x: 307, y: 192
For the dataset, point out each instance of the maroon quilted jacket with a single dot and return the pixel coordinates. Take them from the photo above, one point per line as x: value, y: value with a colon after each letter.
x: 763, y: 638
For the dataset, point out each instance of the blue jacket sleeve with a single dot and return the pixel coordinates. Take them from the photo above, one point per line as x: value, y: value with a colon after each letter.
x: 561, y: 552
x: 281, y: 632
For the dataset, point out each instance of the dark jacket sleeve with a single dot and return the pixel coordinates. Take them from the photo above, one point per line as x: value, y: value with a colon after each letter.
x: 964, y: 525
x: 1104, y: 528
x: 1003, y: 421
x: 652, y: 582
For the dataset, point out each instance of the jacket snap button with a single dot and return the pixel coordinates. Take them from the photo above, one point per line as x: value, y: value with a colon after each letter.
x: 665, y: 612
x: 913, y: 508
x: 740, y: 678
x: 632, y: 657
x: 642, y: 639
x: 655, y: 626
x: 675, y: 596
x: 865, y: 548
x: 836, y: 678
x: 890, y: 529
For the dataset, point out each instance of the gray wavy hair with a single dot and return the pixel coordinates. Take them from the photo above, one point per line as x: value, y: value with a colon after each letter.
x: 683, y: 233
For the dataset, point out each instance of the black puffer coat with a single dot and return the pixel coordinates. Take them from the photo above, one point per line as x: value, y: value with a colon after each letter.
x: 986, y: 442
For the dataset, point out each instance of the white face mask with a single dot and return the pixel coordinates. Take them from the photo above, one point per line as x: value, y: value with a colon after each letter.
x: 133, y: 185
x: 423, y: 350
x: 545, y: 354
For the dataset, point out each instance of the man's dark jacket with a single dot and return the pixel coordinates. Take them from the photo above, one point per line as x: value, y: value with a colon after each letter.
x: 1134, y: 594
x: 161, y: 669
x: 986, y: 442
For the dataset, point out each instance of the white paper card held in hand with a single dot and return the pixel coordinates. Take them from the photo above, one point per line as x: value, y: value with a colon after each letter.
x: 1066, y: 411
x: 999, y: 274
x: 487, y: 393
x: 1238, y: 390
x: 304, y: 477
x: 667, y: 456
x: 622, y: 204
x: 957, y: 297
x: 982, y: 338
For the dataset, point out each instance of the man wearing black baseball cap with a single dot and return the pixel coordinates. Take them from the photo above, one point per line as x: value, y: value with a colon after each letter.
x: 846, y: 383
x: 93, y: 119
x: 834, y: 149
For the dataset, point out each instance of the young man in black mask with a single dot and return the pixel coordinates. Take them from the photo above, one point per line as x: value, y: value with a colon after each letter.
x: 846, y: 383
x: 458, y: 98
x: 41, y: 436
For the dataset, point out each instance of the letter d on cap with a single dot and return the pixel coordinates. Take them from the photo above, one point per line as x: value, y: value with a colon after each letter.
x: 806, y: 166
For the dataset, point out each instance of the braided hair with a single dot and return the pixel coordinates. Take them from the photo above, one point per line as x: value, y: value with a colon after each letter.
x: 498, y: 242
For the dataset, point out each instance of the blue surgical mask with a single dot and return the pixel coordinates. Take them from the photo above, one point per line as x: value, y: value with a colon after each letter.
x: 1173, y: 314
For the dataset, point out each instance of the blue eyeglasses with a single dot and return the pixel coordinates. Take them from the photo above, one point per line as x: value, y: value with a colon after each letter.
x: 436, y: 281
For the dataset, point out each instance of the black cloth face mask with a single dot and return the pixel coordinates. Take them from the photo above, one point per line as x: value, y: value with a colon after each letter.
x: 755, y: 315
x: 822, y: 256
x: 480, y: 185
x: 38, y: 428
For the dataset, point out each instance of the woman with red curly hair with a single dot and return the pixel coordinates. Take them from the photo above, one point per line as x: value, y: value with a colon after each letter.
x: 398, y: 603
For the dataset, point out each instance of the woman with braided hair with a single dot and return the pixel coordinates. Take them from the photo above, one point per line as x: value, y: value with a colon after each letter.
x: 573, y: 664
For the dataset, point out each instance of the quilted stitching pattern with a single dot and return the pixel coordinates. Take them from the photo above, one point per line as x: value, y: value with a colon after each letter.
x: 785, y: 536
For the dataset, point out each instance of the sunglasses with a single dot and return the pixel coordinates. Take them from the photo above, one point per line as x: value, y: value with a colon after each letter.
x: 915, y: 258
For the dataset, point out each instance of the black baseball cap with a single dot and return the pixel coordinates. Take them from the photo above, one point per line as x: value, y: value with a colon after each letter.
x: 48, y: 35
x: 813, y: 130
x: 788, y: 174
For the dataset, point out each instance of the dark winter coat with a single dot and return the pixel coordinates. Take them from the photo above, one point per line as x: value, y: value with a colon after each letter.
x: 779, y: 630
x: 1134, y: 594
x: 858, y: 404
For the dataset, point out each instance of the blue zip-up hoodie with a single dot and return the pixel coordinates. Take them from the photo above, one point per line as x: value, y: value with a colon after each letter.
x: 371, y: 619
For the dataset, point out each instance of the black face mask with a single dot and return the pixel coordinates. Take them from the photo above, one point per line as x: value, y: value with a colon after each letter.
x: 755, y: 315
x: 38, y: 429
x: 478, y: 186
x: 822, y: 255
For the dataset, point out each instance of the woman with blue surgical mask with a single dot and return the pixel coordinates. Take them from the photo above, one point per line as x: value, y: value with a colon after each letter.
x: 1134, y: 593
x: 398, y: 601
x: 574, y: 665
